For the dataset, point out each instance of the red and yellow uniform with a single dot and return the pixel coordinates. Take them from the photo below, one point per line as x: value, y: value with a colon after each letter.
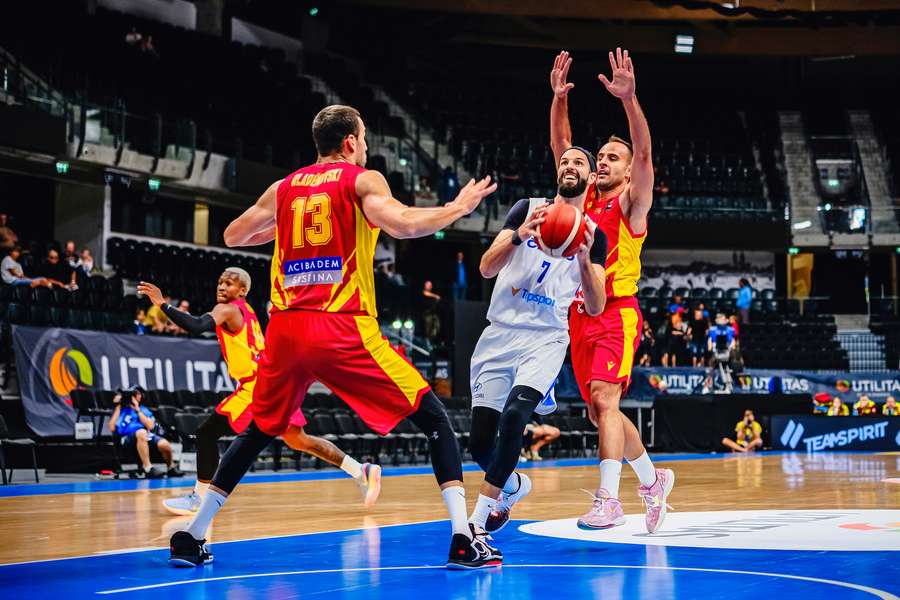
x: 864, y: 407
x: 323, y: 325
x: 842, y: 411
x: 889, y: 411
x: 241, y: 351
x: 603, y: 347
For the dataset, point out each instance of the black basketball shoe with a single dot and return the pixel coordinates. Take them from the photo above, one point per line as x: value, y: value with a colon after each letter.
x: 473, y: 553
x: 185, y: 551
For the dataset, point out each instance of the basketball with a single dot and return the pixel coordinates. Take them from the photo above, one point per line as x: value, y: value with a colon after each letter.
x: 562, y: 231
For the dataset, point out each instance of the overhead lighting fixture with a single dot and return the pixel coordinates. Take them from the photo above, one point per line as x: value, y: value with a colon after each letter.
x: 803, y: 224
x: 684, y: 44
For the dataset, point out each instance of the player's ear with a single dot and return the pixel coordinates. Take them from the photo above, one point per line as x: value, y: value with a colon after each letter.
x: 592, y: 179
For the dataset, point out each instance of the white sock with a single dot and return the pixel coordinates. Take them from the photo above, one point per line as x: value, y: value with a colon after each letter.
x: 455, y: 499
x: 512, y: 484
x: 351, y: 467
x: 212, y: 502
x: 610, y: 473
x: 200, y: 488
x: 644, y: 469
x: 483, y: 508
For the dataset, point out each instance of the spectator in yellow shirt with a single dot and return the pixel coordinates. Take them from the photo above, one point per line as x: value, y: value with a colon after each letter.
x: 891, y: 408
x: 864, y: 407
x: 747, y: 434
x: 156, y: 319
x: 838, y: 408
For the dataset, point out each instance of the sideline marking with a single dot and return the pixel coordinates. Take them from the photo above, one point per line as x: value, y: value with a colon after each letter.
x: 875, y: 592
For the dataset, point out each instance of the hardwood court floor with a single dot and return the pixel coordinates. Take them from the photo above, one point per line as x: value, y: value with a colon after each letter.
x: 57, y: 525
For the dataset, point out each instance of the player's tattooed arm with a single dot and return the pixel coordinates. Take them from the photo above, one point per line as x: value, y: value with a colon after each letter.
x: 401, y: 221
x: 591, y: 257
x: 560, y: 130
x: 638, y: 197
x: 257, y: 224
x: 519, y: 227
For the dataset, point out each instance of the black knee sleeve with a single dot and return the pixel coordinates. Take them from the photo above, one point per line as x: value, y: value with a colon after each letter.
x: 483, y: 437
x: 208, y: 435
x: 432, y: 419
x: 239, y: 456
x: 520, y: 405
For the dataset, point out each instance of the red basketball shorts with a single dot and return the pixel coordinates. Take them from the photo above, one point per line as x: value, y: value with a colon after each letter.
x: 603, y: 347
x: 346, y: 353
x: 237, y: 407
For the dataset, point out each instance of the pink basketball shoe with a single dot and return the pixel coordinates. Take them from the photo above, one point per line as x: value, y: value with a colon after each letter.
x: 654, y: 498
x: 607, y: 512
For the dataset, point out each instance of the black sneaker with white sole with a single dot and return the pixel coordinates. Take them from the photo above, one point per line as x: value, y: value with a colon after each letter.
x: 474, y: 553
x: 185, y: 551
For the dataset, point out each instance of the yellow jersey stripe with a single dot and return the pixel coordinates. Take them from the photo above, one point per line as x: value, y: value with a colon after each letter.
x: 629, y: 331
x: 277, y: 278
x: 366, y: 239
x: 336, y: 286
x: 404, y: 375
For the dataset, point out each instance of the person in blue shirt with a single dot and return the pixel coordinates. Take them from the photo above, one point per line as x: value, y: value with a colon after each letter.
x: 744, y: 300
x: 134, y: 425
x: 721, y: 328
x: 460, y: 285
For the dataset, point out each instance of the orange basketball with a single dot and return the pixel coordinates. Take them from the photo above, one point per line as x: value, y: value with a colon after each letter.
x: 562, y: 231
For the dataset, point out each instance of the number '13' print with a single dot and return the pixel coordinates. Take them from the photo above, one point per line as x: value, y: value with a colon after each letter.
x: 321, y: 231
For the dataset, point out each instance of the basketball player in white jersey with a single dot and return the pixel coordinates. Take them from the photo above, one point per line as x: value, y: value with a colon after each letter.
x: 520, y: 354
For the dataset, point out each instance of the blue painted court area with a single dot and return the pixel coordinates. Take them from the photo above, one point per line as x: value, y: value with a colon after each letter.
x: 406, y: 562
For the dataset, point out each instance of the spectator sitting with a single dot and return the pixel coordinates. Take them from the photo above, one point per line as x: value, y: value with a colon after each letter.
x: 8, y: 237
x: 156, y: 319
x: 139, y: 317
x: 134, y: 424
x: 57, y: 271
x: 12, y: 271
x: 747, y: 434
x: 536, y: 436
x: 838, y: 408
x: 821, y: 402
x: 85, y: 266
x: 697, y: 332
x: 70, y: 256
x: 864, y: 407
x: 890, y: 408
x: 676, y: 306
x: 744, y: 300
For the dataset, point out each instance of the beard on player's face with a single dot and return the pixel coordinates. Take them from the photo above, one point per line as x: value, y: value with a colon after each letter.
x: 569, y: 188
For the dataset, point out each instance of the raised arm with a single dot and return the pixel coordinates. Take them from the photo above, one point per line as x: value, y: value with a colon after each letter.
x: 560, y: 130
x: 519, y: 227
x: 257, y: 225
x: 638, y: 198
x: 401, y: 221
x: 226, y: 314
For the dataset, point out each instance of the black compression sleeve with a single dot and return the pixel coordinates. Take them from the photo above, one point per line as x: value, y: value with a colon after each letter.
x: 517, y: 214
x: 191, y: 324
x: 599, y: 249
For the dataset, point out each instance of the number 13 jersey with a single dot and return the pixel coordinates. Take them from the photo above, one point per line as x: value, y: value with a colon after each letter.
x: 324, y: 245
x: 534, y: 290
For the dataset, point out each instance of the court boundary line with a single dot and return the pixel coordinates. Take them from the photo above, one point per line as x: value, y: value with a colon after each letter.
x: 142, y: 485
x: 257, y: 539
x: 845, y: 584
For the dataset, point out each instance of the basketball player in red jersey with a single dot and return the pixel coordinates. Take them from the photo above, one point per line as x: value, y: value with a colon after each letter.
x: 603, y: 347
x: 325, y: 220
x: 235, y: 324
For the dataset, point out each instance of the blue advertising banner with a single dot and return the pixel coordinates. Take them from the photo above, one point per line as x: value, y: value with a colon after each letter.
x: 812, y: 433
x: 649, y: 382
x: 53, y: 362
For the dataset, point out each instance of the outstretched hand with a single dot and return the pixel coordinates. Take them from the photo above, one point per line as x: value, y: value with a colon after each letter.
x: 559, y: 74
x: 622, y: 84
x: 473, y: 193
x: 151, y: 291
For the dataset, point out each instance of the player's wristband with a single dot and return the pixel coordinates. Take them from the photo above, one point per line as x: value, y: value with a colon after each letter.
x: 516, y: 240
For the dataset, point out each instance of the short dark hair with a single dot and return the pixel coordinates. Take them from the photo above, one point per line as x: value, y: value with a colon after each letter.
x: 623, y: 141
x: 332, y: 125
